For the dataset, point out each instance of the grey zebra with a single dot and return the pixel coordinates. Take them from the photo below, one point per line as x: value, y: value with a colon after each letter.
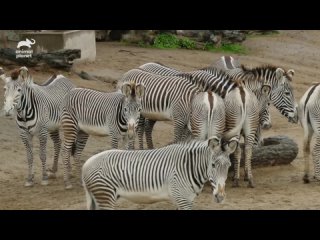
x: 166, y: 98
x: 233, y: 67
x: 176, y: 172
x: 160, y: 69
x: 309, y: 116
x: 243, y: 111
x: 37, y: 114
x: 86, y: 111
x: 146, y: 125
x: 207, y: 115
x: 280, y: 81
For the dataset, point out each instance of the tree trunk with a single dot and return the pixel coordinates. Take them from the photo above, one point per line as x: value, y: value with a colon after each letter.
x: 62, y: 59
x: 277, y: 150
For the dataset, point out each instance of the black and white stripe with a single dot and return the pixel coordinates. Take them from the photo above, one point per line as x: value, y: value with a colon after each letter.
x: 176, y: 172
x: 37, y: 113
x: 89, y: 112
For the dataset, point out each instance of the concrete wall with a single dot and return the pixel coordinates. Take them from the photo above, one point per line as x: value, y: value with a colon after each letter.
x: 47, y: 41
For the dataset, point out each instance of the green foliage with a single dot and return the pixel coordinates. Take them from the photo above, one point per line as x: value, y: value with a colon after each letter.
x: 187, y: 43
x: 165, y: 40
x: 226, y: 47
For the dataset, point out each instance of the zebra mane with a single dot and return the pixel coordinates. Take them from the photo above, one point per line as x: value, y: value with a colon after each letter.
x: 261, y: 70
x: 15, y: 75
x: 50, y: 80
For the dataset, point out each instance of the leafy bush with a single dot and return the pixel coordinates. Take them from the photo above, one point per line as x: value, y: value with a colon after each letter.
x: 165, y: 40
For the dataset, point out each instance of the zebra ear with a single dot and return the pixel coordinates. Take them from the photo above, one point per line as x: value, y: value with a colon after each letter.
x: 126, y: 89
x: 290, y: 73
x: 140, y: 89
x: 3, y: 75
x: 214, y: 142
x: 266, y: 89
x: 25, y: 75
x: 279, y: 73
x: 232, y: 145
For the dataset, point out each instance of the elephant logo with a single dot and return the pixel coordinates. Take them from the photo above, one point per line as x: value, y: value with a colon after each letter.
x: 26, y: 43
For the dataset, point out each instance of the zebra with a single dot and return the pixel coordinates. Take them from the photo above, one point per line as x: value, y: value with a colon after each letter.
x: 89, y: 112
x: 207, y: 115
x: 166, y: 98
x: 281, y: 91
x: 243, y: 111
x: 37, y: 114
x: 159, y: 69
x: 176, y: 172
x: 309, y: 117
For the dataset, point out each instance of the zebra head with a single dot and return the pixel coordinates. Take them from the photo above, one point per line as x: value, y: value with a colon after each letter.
x: 218, y: 167
x: 282, y: 94
x: 132, y: 106
x: 14, y: 87
x: 265, y: 118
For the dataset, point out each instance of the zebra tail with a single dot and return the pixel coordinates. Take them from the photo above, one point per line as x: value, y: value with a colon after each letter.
x: 73, y: 149
x: 236, y: 131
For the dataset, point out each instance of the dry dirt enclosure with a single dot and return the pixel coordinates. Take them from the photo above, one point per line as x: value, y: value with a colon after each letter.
x: 278, y: 187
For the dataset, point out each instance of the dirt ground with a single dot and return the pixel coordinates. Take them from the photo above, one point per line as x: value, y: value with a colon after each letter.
x: 277, y: 187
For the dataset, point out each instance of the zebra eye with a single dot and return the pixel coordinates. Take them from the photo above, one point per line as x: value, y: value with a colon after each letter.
x: 125, y: 109
x: 5, y: 88
x: 139, y: 109
x: 287, y: 93
x: 213, y: 165
x: 19, y: 90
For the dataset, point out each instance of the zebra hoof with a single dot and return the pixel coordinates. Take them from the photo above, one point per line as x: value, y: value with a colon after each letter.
x: 250, y: 184
x: 29, y: 184
x: 52, y: 175
x: 68, y: 186
x: 235, y: 183
x: 44, y: 182
x: 306, y: 179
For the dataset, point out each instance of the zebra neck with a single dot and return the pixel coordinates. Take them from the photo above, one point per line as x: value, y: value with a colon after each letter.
x: 198, y: 168
x: 121, y: 120
x: 25, y: 112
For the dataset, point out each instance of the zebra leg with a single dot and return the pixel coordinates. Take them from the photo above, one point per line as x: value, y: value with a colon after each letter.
x: 129, y: 143
x: 237, y: 158
x: 114, y: 140
x: 181, y: 201
x: 43, y: 137
x: 81, y: 141
x: 308, y: 132
x: 57, y: 147
x: 148, y: 129
x: 104, y: 194
x: 316, y: 158
x: 27, y: 141
x: 247, y: 168
x: 140, y: 131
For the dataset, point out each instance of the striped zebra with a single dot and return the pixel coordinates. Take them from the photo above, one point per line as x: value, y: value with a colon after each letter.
x: 89, y: 112
x: 280, y: 81
x: 207, y: 115
x: 37, y: 114
x: 176, y: 172
x: 166, y: 98
x: 243, y: 111
x: 159, y: 69
x: 309, y: 116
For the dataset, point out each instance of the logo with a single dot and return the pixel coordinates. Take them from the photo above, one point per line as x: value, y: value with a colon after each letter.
x: 25, y: 53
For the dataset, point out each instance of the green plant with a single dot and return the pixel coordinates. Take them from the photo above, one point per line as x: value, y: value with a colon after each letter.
x: 226, y: 47
x: 165, y: 40
x: 187, y: 43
